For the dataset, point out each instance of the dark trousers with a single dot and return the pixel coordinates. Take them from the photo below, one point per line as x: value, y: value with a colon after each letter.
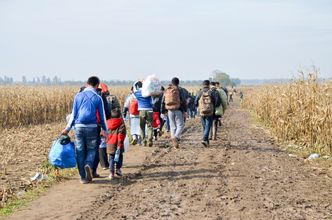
x: 162, y: 122
x: 214, y: 128
x: 113, y: 163
x: 96, y: 160
x: 192, y: 112
x: 103, y: 157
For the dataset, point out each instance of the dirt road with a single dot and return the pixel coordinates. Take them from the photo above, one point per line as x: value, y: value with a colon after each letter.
x: 243, y: 175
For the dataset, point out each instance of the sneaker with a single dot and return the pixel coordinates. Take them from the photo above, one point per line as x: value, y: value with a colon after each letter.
x: 83, y: 181
x: 175, y: 142
x: 88, y: 173
x: 160, y: 133
x: 118, y: 172
x: 205, y: 143
x: 134, y: 142
x: 150, y: 143
x: 111, y: 176
x: 145, y: 143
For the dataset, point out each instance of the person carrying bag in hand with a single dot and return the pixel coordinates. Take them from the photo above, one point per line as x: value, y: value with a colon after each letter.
x: 84, y: 119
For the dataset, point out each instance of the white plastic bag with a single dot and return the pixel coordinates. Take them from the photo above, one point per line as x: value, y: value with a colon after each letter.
x: 151, y: 86
x: 126, y: 144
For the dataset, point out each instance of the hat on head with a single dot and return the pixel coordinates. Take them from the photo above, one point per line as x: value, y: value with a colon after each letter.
x: 103, y: 87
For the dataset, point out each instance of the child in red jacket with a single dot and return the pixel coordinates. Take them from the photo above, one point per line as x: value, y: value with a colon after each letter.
x: 115, y: 142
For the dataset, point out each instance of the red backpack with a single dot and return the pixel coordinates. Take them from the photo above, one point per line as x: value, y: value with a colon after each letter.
x: 133, y: 108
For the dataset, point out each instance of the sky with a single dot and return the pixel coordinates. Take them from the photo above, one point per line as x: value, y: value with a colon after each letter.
x: 130, y: 39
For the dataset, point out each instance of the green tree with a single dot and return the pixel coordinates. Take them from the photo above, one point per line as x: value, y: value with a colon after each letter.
x: 221, y: 77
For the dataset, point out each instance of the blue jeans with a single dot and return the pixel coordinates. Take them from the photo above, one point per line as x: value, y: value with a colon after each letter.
x: 112, y: 162
x: 207, y: 123
x: 192, y: 112
x: 85, y: 143
x: 168, y: 127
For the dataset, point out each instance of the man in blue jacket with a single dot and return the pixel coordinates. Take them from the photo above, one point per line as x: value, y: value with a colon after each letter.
x: 84, y: 119
x: 145, y: 108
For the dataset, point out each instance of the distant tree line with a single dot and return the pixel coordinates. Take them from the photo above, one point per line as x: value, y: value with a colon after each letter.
x: 44, y: 80
x: 217, y: 75
x: 6, y: 80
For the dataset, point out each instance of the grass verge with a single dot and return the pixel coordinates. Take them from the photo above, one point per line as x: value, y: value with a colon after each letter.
x: 54, y: 176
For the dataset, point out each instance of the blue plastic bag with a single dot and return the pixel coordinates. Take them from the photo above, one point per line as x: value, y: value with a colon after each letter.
x: 62, y: 156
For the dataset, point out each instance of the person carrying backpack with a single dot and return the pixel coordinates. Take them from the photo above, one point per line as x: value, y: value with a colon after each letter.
x: 174, y: 101
x: 219, y: 109
x: 224, y: 100
x: 206, y: 101
x: 224, y: 89
x: 84, y: 118
x: 131, y: 106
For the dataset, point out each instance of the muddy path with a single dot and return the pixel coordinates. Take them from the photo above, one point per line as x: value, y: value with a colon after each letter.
x: 242, y: 175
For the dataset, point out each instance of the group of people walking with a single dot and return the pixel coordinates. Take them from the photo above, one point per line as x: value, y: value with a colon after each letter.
x: 100, y: 130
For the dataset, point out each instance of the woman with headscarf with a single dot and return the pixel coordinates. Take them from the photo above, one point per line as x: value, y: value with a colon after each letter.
x: 131, y: 106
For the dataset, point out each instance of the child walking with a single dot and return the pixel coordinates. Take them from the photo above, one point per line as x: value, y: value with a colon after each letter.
x: 115, y: 143
x: 157, y: 124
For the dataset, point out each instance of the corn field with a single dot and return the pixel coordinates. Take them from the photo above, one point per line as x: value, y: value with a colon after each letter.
x: 300, y: 112
x: 28, y: 105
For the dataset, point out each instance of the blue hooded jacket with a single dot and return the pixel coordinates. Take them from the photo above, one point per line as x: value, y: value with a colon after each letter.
x: 86, y: 104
